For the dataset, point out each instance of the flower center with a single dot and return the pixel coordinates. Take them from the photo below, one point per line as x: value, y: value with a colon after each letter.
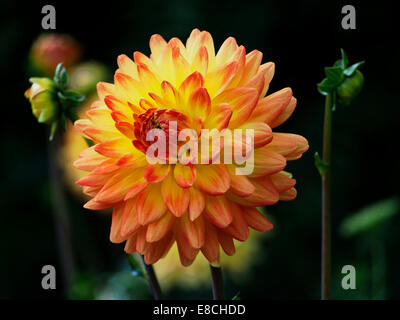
x: 147, y: 127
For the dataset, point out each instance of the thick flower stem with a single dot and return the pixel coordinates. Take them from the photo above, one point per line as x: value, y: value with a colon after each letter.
x: 326, y: 202
x: 217, y: 283
x: 61, y: 218
x: 151, y: 275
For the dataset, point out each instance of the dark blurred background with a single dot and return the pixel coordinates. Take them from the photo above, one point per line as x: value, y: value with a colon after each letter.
x: 301, y: 38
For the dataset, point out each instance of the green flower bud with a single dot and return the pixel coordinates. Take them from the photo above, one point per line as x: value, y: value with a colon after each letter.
x: 350, y: 88
x: 43, y: 98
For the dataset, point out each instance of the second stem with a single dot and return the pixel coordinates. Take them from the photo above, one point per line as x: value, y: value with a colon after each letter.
x: 326, y: 202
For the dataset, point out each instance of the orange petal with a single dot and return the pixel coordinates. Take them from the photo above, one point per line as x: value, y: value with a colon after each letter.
x: 194, y: 231
x: 175, y: 198
x: 156, y: 250
x: 288, y: 195
x: 268, y: 69
x: 94, y: 180
x: 114, y: 148
x: 116, y: 187
x: 186, y: 253
x: 149, y: 204
x: 157, y: 230
x: 89, y: 159
x: 253, y: 61
x: 262, y: 133
x: 156, y: 173
x: 226, y: 242
x: 105, y: 89
x: 141, y: 244
x: 138, y: 184
x: 217, y: 211
x: 226, y: 51
x: 127, y: 66
x: 240, y: 185
x: 282, y: 143
x: 217, y: 80
x: 130, y: 245
x: 129, y: 89
x: 264, y: 195
x: 200, y: 61
x: 256, y: 220
x: 184, y: 175
x: 129, y: 222
x: 115, y: 234
x: 282, y: 181
x: 149, y: 79
x: 210, y: 248
x: 302, y: 146
x: 242, y: 102
x: 200, y: 103
x: 286, y: 113
x: 196, y: 204
x: 95, y: 205
x: 157, y: 46
x: 238, y: 227
x: 219, y: 117
x: 271, y: 107
x: 267, y: 162
x: 107, y: 166
x: 191, y: 83
x: 212, y: 179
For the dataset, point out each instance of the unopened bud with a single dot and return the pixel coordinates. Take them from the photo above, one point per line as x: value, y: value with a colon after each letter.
x: 350, y: 88
x: 43, y: 99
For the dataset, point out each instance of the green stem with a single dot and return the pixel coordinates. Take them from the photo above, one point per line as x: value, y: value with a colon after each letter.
x: 378, y: 261
x: 217, y: 283
x: 61, y: 217
x: 326, y: 202
x: 151, y: 275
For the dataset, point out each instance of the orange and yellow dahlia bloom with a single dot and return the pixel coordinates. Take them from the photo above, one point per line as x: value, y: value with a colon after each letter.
x: 201, y: 207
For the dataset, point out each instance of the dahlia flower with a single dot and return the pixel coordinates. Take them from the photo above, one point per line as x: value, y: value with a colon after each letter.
x: 200, y: 207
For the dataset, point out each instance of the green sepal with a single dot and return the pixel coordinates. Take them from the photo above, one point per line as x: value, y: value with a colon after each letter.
x: 74, y: 96
x: 345, y: 60
x: 237, y: 296
x: 53, y: 130
x: 350, y: 70
x: 334, y: 75
x: 135, y: 265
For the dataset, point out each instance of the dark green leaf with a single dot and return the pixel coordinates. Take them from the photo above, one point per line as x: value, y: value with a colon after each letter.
x: 369, y: 217
x: 334, y: 74
x: 321, y: 165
